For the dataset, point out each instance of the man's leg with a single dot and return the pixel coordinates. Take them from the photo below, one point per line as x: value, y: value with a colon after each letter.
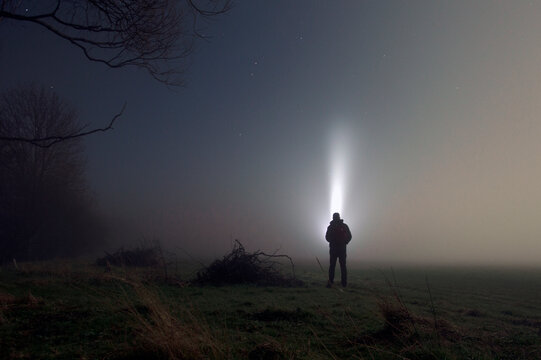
x: 332, y: 265
x: 343, y: 269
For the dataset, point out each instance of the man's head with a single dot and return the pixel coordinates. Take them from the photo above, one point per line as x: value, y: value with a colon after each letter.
x: 336, y: 216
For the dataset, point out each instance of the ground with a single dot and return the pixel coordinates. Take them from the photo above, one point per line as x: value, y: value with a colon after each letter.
x: 76, y: 310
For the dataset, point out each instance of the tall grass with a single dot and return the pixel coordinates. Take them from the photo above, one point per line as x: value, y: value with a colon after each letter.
x: 415, y: 336
x: 5, y: 300
x: 403, y: 334
x: 161, y: 330
x: 170, y: 333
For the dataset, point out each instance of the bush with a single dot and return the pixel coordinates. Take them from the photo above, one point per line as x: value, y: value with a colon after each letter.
x: 141, y: 256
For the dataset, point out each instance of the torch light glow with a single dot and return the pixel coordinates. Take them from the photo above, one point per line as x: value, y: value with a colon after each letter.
x: 340, y: 153
x: 338, y: 161
x: 337, y: 191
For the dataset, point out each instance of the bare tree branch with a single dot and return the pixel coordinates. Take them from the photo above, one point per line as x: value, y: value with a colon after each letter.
x: 216, y: 9
x: 48, y: 141
x: 156, y: 35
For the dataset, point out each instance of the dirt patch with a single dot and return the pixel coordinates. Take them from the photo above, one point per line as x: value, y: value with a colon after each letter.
x: 473, y: 313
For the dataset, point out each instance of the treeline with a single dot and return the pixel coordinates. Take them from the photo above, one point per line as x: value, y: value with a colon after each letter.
x: 45, y: 208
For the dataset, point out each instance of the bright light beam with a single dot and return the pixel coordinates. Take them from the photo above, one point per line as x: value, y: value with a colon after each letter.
x: 338, y: 163
x: 336, y: 196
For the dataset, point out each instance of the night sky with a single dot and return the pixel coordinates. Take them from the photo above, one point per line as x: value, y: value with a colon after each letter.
x: 425, y: 113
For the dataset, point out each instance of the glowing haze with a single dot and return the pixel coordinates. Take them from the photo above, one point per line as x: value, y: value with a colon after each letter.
x: 338, y: 165
x: 418, y: 121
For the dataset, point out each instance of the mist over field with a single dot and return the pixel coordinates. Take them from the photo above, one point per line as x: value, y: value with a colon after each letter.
x: 422, y: 117
x: 169, y: 170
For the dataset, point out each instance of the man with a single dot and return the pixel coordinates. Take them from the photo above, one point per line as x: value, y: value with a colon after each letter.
x: 338, y: 236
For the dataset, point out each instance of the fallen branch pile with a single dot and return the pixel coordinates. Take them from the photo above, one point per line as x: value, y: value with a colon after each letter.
x: 241, y: 267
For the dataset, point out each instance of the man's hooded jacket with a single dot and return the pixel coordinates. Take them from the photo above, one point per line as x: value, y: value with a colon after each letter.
x: 338, y: 234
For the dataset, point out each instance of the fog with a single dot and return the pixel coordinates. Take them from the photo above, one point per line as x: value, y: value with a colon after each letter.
x: 418, y: 122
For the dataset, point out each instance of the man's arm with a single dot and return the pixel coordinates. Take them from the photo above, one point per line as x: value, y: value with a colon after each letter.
x: 327, y: 234
x: 348, y: 232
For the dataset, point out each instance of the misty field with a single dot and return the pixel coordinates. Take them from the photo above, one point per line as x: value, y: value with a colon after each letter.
x: 82, y: 311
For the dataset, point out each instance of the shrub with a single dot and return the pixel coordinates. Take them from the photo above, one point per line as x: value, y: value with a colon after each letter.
x: 141, y: 256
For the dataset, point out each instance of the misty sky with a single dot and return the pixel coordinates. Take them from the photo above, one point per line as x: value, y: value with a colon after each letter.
x: 430, y: 109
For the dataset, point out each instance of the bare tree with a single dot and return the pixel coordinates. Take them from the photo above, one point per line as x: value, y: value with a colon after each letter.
x: 42, y: 190
x: 155, y: 35
x: 45, y: 141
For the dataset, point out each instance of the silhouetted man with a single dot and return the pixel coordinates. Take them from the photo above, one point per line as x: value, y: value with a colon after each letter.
x: 338, y: 236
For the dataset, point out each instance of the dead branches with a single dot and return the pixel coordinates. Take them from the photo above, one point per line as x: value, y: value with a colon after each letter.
x: 155, y: 35
x: 241, y: 267
x: 48, y: 141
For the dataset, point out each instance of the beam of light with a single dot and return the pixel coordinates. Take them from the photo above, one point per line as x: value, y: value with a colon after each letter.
x: 337, y: 198
x: 338, y: 159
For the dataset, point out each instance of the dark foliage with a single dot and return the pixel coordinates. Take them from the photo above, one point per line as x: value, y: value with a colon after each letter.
x: 142, y: 256
x: 241, y: 267
x: 45, y: 209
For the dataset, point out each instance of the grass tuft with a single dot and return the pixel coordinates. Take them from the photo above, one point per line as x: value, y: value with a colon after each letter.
x: 398, y: 319
x: 171, y: 335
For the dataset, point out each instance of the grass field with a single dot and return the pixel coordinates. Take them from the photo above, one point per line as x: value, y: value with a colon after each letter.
x: 79, y: 311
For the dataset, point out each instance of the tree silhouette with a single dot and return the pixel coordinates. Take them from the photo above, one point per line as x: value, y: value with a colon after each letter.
x: 44, y: 208
x: 155, y: 35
